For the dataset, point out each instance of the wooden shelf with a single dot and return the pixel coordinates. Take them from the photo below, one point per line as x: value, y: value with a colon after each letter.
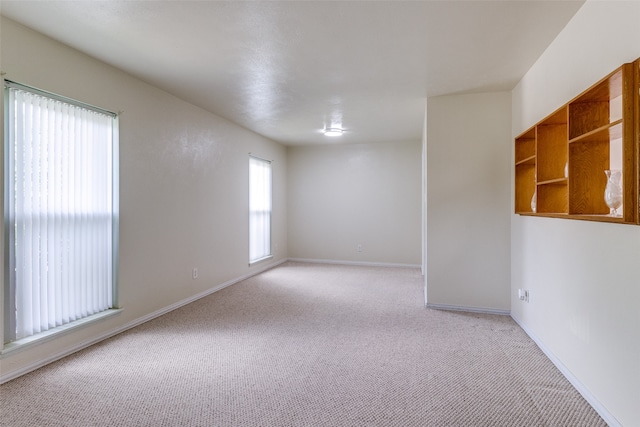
x: 608, y: 132
x: 525, y: 161
x: 528, y: 161
x: 525, y: 186
x: 563, y: 158
x: 552, y: 151
x: 552, y: 197
x: 557, y: 181
x: 592, y: 109
x: 587, y: 163
x: 599, y: 218
x: 526, y: 146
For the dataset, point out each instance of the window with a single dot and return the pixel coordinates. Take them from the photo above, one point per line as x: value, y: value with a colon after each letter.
x: 259, y: 209
x: 60, y: 211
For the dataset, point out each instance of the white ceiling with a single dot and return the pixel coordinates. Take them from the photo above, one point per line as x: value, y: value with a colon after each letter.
x: 287, y: 69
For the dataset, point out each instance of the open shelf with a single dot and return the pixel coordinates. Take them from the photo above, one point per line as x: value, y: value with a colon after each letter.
x: 588, y: 161
x: 552, y: 197
x: 563, y: 158
x: 525, y: 186
x: 593, y: 108
x: 525, y: 160
x: 526, y: 146
x: 608, y: 132
x: 551, y: 135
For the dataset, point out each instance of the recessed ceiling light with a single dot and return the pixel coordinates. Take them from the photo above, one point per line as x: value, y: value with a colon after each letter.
x: 333, y: 132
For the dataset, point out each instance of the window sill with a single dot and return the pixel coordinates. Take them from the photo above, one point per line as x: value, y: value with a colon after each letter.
x: 260, y: 260
x: 33, y: 340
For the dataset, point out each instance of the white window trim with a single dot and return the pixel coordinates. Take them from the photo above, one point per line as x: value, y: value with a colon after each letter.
x: 270, y: 254
x: 33, y: 340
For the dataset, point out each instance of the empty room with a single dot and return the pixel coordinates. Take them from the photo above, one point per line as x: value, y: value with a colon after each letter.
x: 320, y: 213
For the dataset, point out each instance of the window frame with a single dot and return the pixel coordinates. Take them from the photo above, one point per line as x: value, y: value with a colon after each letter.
x: 8, y: 320
x: 269, y: 255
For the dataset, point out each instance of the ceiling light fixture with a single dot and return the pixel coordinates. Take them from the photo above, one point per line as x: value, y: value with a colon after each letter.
x: 333, y: 132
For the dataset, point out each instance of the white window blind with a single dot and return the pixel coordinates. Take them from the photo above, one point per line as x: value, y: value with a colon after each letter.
x: 259, y: 209
x: 60, y: 211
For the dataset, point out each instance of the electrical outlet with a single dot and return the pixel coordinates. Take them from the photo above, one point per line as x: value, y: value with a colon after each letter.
x: 359, y: 247
x: 194, y: 273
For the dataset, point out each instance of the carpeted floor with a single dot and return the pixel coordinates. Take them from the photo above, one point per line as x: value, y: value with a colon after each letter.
x: 305, y: 345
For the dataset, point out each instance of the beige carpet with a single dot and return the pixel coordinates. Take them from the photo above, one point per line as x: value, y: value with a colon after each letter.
x: 305, y: 345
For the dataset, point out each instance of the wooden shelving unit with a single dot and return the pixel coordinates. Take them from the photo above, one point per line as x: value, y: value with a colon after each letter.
x: 562, y: 159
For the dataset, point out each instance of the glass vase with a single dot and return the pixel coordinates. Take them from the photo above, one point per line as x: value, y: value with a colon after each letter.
x: 613, y: 191
x: 534, y: 201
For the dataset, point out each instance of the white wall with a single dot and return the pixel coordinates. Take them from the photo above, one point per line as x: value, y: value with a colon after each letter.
x: 584, y: 277
x: 468, y: 201
x: 183, y: 185
x: 340, y: 196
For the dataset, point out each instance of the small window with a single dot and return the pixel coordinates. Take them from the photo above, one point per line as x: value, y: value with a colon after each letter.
x: 60, y: 211
x: 259, y: 209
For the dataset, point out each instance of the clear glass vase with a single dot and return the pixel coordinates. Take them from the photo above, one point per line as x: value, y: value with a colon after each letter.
x: 534, y: 202
x: 613, y: 191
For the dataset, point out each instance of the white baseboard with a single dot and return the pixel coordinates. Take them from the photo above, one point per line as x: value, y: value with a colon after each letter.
x: 468, y: 309
x: 82, y: 345
x: 588, y: 396
x: 355, y: 263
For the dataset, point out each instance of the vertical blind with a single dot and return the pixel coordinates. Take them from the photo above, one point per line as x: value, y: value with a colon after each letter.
x: 259, y: 209
x: 59, y: 211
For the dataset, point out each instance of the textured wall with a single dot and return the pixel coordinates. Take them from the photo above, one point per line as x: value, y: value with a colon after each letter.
x: 340, y: 196
x: 583, y: 276
x: 468, y: 196
x: 183, y: 184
